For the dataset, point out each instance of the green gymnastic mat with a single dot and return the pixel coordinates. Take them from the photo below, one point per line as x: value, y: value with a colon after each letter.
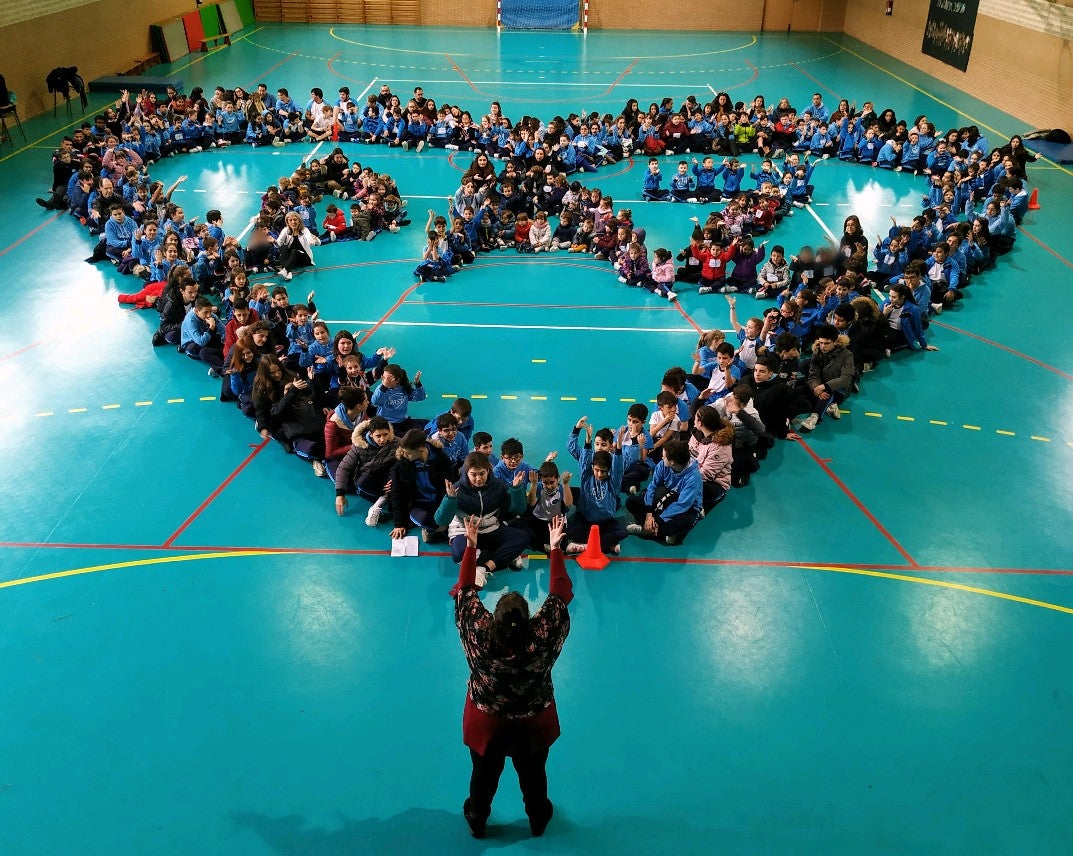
x: 229, y: 14
x: 169, y: 39
x: 210, y: 21
x: 245, y: 11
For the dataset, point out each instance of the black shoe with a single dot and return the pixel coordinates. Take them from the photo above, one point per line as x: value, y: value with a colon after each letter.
x: 44, y: 203
x: 537, y: 825
x: 476, y: 824
x: 158, y: 339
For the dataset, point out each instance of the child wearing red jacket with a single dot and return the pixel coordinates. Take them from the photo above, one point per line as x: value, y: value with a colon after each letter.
x: 713, y: 266
x: 334, y: 224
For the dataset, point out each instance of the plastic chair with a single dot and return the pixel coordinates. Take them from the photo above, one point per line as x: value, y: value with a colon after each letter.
x: 8, y: 108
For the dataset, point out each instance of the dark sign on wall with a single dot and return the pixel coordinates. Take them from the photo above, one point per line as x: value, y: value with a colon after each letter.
x: 948, y: 33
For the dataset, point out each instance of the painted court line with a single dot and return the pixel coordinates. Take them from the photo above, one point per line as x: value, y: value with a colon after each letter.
x: 31, y: 233
x: 445, y: 324
x: 1005, y: 348
x: 648, y: 560
x: 838, y: 569
x: 212, y: 496
x: 860, y: 505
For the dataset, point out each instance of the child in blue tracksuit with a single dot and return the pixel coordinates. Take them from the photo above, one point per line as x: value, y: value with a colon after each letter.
x: 651, y: 190
x: 890, y: 155
x: 393, y: 396
x: 671, y: 505
x: 706, y: 176
x: 683, y: 184
x: 800, y: 191
x: 597, y: 496
x: 732, y: 172
x: 199, y: 337
x: 511, y: 462
x: 767, y: 173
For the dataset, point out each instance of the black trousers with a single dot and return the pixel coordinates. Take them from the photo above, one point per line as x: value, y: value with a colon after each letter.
x: 532, y: 776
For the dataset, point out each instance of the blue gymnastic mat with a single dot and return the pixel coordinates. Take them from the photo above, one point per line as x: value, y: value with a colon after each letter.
x: 1058, y: 152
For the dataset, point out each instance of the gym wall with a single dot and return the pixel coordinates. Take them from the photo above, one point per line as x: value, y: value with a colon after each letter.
x: 1019, y: 70
x: 98, y: 37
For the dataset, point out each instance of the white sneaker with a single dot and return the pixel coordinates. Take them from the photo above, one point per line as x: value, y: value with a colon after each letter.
x: 705, y: 289
x: 798, y: 204
x: 406, y: 146
x: 573, y: 548
x: 420, y: 145
x: 331, y: 236
x: 286, y: 274
x: 482, y: 576
x: 635, y: 529
x: 809, y: 422
x: 622, y: 279
x: 319, y: 471
x: 834, y: 411
x: 692, y: 199
x: 672, y: 296
x: 451, y: 147
x: 937, y: 308
x: 279, y: 144
x: 728, y: 289
x: 520, y: 564
x: 868, y: 367
x: 373, y: 517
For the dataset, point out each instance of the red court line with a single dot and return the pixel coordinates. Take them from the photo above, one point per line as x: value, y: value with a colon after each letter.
x: 388, y: 314
x: 817, y: 81
x: 454, y: 65
x: 31, y: 233
x: 641, y: 560
x: 251, y: 86
x: 618, y: 79
x: 535, y: 305
x: 756, y: 74
x: 20, y: 351
x: 860, y: 505
x: 688, y: 317
x: 212, y: 496
x: 1002, y: 347
x: 1050, y: 250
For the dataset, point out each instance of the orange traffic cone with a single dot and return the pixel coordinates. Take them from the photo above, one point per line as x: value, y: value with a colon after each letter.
x: 335, y: 132
x: 1033, y: 200
x: 593, y: 558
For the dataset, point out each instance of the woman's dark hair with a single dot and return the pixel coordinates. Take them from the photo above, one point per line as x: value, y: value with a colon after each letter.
x: 343, y: 334
x: 264, y: 384
x: 510, y: 622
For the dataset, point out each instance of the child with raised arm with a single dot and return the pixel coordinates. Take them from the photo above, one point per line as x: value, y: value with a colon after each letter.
x: 478, y: 493
x: 598, y: 500
x: 549, y: 497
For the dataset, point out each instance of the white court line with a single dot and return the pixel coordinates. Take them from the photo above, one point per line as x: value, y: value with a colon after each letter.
x: 351, y: 323
x: 823, y: 225
x: 309, y: 157
x: 568, y: 83
x: 372, y: 83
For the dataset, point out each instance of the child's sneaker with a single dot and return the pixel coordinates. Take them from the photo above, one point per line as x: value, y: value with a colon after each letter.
x: 406, y: 146
x: 573, y: 548
x: 705, y: 289
x: 420, y: 145
x: 373, y: 517
x: 319, y: 471
x: 809, y: 422
x: 480, y: 578
x: 834, y: 411
x: 520, y: 564
x: 728, y: 289
x: 671, y: 296
x: 635, y: 529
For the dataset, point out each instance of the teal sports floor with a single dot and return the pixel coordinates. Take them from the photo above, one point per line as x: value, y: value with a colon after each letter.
x: 867, y: 650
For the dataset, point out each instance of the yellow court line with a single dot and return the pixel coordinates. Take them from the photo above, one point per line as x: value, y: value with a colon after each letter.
x: 538, y: 398
x: 971, y: 427
x: 109, y: 407
x: 539, y: 361
x: 938, y: 100
x: 942, y: 584
x: 76, y: 410
x: 196, y: 557
x: 1005, y: 433
x: 597, y: 399
x: 448, y: 395
x: 162, y: 560
x: 1041, y: 439
x: 906, y: 418
x: 938, y: 422
x: 207, y: 398
x: 176, y: 401
x: 509, y: 397
x: 567, y: 398
x: 478, y: 396
x: 876, y: 415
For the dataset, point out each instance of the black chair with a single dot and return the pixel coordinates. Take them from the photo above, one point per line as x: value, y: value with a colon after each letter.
x: 8, y: 108
x: 60, y: 81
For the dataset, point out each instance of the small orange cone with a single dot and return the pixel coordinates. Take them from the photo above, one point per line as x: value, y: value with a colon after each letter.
x: 1033, y: 200
x: 593, y: 558
x: 335, y: 132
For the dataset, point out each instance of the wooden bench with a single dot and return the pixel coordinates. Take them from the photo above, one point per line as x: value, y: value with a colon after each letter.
x: 215, y: 41
x: 146, y: 62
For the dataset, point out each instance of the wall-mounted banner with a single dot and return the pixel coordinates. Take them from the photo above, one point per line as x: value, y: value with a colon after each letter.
x: 948, y: 33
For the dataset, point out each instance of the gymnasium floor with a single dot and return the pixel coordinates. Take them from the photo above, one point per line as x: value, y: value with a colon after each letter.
x: 866, y: 650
